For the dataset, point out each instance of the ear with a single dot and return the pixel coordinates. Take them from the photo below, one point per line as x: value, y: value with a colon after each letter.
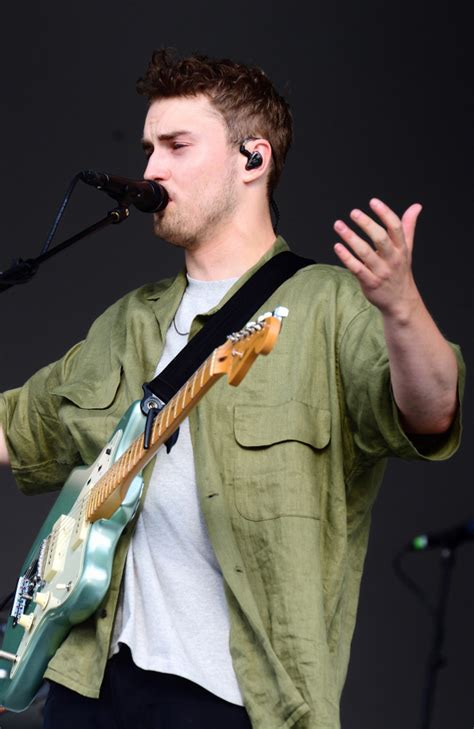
x: 264, y: 149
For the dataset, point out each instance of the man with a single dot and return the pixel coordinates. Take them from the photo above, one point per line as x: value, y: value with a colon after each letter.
x: 239, y: 594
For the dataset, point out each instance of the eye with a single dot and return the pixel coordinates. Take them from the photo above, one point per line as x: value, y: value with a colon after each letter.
x: 178, y: 145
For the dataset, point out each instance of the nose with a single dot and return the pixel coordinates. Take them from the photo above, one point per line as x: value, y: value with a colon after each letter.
x: 156, y: 168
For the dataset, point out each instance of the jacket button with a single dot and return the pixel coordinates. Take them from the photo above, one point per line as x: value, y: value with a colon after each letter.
x: 103, y: 613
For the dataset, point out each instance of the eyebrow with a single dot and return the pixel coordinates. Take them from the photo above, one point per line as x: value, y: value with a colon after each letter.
x: 146, y: 144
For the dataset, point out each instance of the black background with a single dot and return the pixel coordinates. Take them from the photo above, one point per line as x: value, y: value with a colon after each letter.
x: 383, y: 105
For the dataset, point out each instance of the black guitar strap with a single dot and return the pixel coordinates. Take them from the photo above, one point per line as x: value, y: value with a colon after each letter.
x: 232, y: 317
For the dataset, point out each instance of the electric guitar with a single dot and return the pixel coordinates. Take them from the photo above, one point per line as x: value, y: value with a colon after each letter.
x: 67, y: 572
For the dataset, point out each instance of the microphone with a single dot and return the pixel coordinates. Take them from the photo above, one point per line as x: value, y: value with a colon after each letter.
x: 448, y: 538
x: 146, y: 195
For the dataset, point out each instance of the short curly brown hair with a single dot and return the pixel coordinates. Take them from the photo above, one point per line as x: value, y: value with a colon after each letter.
x: 243, y: 95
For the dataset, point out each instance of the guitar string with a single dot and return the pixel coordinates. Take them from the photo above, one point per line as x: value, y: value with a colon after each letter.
x: 127, y: 453
x: 81, y: 500
x: 83, y: 497
x: 168, y: 407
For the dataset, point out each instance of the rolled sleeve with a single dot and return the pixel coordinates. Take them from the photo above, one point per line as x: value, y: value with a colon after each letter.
x: 437, y: 447
x: 40, y: 447
x: 376, y: 428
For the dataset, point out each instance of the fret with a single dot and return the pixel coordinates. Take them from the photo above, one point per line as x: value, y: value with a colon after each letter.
x: 212, y: 363
x: 130, y: 456
x: 202, y: 368
x: 116, y: 475
x: 185, y: 396
x: 193, y: 382
x: 98, y: 493
x: 113, y: 477
x: 157, y: 427
x: 104, y: 486
x: 112, y: 472
x: 120, y: 467
x: 95, y: 500
x: 134, y: 450
x: 206, y: 371
x: 117, y: 469
x: 175, y: 405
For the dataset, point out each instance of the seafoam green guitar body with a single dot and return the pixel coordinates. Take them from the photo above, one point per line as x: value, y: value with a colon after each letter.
x: 67, y: 571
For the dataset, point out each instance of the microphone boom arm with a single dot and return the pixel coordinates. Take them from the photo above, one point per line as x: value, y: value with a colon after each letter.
x: 23, y: 271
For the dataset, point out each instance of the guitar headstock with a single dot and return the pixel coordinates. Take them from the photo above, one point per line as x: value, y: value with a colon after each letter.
x: 236, y: 356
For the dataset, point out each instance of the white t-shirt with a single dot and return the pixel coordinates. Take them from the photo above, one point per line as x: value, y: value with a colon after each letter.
x: 172, y: 610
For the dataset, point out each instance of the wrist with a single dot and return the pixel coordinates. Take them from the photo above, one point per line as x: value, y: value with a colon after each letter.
x: 405, y: 309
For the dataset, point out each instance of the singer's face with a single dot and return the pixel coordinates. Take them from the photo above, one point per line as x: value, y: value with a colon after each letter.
x: 186, y: 144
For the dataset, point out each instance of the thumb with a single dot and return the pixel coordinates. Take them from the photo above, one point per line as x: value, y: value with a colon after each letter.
x: 409, y: 220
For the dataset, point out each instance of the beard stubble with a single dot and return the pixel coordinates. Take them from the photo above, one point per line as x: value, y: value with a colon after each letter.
x: 186, y: 228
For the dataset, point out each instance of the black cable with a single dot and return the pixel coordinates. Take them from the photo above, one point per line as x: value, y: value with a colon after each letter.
x: 22, y: 271
x: 276, y: 212
x: 60, y: 214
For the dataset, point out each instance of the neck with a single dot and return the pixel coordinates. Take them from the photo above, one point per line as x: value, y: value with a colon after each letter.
x: 231, y: 251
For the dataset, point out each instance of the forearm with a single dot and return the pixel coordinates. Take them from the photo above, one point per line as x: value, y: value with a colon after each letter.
x: 423, y: 370
x: 4, y: 457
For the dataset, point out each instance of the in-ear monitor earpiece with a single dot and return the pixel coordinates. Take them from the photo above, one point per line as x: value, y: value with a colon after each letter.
x: 254, y: 159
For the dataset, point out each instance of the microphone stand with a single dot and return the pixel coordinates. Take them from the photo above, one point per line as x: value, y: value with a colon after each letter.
x: 22, y: 271
x: 436, y: 659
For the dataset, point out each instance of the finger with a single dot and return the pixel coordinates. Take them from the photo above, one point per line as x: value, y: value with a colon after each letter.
x: 379, y: 236
x: 360, y: 247
x: 391, y: 221
x: 365, y: 276
x: 409, y: 221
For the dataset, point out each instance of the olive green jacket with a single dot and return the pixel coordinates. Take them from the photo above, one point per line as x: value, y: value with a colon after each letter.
x: 288, y: 466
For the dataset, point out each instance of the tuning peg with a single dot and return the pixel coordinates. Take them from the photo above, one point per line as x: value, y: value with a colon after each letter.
x: 281, y: 312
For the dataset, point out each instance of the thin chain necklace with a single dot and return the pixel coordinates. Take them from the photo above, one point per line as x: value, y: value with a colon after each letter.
x: 182, y: 334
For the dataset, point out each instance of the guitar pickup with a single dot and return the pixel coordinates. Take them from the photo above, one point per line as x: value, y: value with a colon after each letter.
x: 81, y: 527
x: 60, y: 537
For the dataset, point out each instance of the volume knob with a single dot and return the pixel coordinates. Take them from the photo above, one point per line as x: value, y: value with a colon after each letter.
x: 42, y: 598
x: 26, y: 621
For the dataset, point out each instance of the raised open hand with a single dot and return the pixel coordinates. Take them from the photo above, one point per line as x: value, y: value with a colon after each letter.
x: 384, y: 270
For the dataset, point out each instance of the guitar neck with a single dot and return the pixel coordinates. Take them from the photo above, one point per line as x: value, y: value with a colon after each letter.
x: 108, y: 493
x: 234, y: 357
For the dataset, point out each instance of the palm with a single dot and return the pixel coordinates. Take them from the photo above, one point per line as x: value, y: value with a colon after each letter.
x: 384, y: 268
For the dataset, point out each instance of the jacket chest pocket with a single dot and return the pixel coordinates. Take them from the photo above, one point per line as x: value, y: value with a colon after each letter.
x: 281, y: 461
x: 90, y: 411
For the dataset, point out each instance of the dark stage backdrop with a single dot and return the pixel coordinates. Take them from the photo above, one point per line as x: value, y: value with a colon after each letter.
x: 383, y: 105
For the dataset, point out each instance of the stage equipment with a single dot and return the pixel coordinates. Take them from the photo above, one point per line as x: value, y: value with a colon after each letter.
x: 447, y: 541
